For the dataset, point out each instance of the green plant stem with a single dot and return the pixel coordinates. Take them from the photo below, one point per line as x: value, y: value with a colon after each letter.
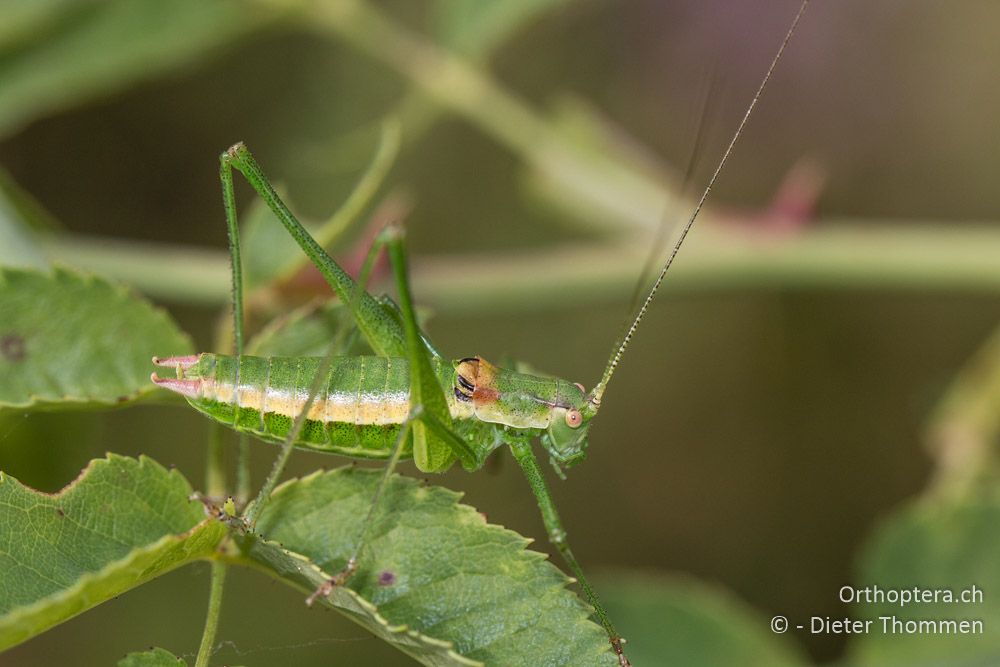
x: 212, y: 619
x: 843, y: 254
x: 183, y: 274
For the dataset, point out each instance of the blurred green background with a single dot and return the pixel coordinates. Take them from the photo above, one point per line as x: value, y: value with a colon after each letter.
x: 759, y: 428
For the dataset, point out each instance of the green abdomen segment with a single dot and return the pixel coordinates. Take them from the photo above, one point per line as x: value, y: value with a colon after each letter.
x: 358, y: 410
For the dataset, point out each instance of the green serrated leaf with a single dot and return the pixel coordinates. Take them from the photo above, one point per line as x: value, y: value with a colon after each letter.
x: 935, y: 543
x: 89, y: 49
x: 154, y: 657
x: 300, y: 572
x: 72, y: 340
x: 121, y: 523
x: 431, y: 566
x: 681, y: 621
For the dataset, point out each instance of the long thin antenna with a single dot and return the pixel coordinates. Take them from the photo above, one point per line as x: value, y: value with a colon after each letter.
x: 598, y: 391
x: 662, y: 236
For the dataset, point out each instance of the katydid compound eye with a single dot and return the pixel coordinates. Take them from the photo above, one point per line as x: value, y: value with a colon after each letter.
x: 573, y: 418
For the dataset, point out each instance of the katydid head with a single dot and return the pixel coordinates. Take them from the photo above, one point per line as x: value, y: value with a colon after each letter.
x: 526, y: 401
x: 565, y: 439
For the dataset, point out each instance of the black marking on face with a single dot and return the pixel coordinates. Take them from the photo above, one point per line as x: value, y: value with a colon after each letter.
x: 462, y: 380
x: 12, y: 347
x: 462, y: 396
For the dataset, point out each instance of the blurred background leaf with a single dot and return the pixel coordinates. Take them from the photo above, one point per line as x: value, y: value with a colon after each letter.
x: 675, y: 620
x: 19, y: 218
x: 307, y: 332
x: 952, y: 544
x: 58, y: 54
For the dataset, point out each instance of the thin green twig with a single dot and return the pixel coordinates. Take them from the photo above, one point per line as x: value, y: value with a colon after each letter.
x: 212, y: 619
x: 850, y: 254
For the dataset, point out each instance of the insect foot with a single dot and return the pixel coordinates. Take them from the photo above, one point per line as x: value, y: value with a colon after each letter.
x: 616, y: 644
x: 337, y: 580
x: 234, y: 150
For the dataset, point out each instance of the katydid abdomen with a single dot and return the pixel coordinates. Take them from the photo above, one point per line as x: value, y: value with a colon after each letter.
x: 361, y: 406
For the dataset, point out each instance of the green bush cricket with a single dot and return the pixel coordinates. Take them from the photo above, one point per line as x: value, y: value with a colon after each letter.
x: 408, y: 400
